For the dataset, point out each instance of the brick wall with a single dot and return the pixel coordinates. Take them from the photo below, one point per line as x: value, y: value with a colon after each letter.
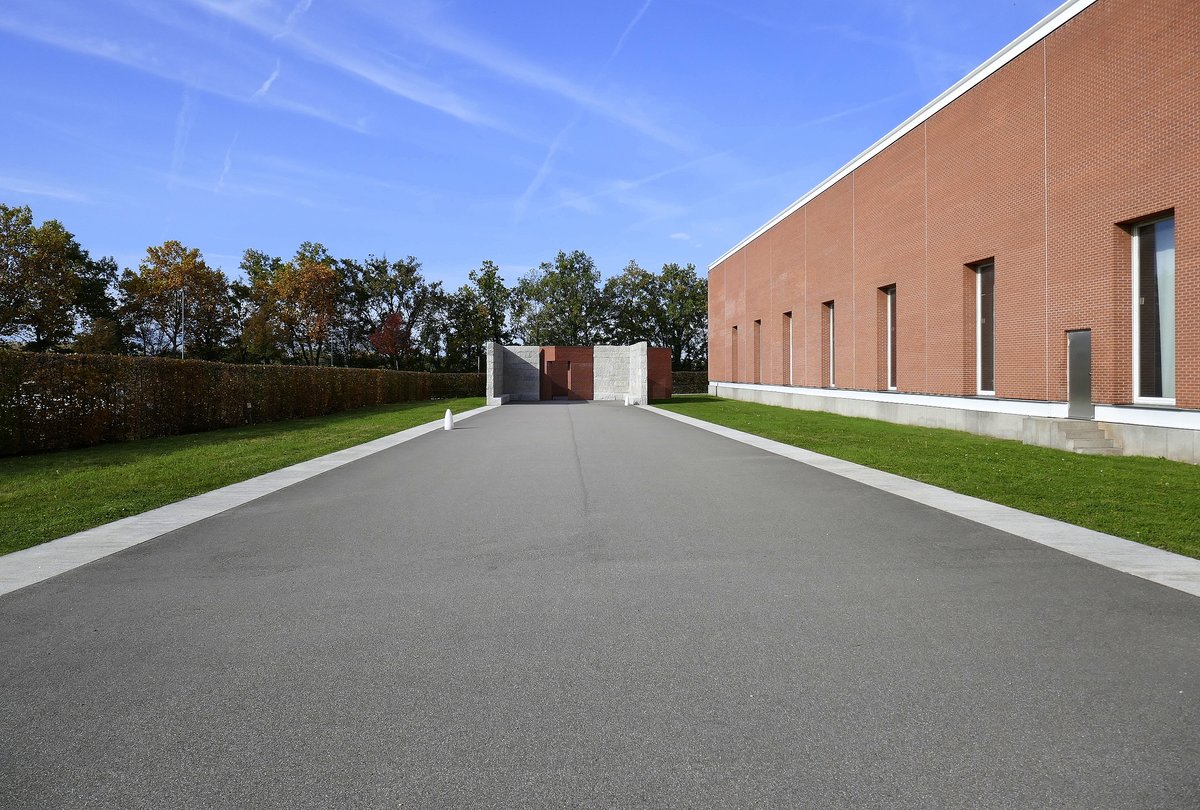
x: 1040, y: 167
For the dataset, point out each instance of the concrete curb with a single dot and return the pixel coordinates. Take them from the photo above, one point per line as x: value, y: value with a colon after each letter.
x: 25, y: 567
x: 1164, y: 567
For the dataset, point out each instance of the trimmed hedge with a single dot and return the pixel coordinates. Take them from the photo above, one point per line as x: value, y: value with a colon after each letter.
x: 689, y: 382
x: 55, y: 402
x: 453, y: 386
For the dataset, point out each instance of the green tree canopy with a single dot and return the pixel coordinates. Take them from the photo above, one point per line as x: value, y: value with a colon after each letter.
x: 561, y: 303
x: 42, y: 274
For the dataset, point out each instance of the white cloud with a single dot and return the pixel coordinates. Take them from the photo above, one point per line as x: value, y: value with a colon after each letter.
x: 680, y: 237
x: 183, y: 130
x: 171, y: 65
x: 266, y: 85
x: 17, y: 185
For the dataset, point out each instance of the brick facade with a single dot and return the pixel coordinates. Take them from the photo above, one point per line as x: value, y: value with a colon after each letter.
x: 1041, y: 167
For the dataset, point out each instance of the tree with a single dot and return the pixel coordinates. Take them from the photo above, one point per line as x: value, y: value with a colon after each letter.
x: 96, y: 308
x: 560, y: 303
x: 380, y: 289
x: 255, y: 307
x: 307, y: 290
x: 634, y: 306
x: 42, y: 271
x: 476, y: 313
x: 684, y: 320
x: 16, y: 246
x: 391, y: 338
x: 666, y: 309
x: 175, y: 303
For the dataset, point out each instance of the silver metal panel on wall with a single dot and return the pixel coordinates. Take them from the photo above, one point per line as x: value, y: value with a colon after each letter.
x: 1079, y: 375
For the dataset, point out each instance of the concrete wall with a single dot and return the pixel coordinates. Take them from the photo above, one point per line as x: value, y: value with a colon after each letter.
x: 514, y: 373
x: 639, y: 371
x: 610, y: 372
x: 522, y: 373
x: 495, y: 374
x: 1177, y: 444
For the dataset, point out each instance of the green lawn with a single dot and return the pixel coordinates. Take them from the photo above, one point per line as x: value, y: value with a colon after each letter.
x: 1150, y: 500
x: 48, y: 496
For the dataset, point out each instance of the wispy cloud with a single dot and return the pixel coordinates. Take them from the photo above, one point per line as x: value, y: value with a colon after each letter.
x: 352, y: 60
x: 625, y: 35
x: 513, y: 67
x: 680, y: 237
x: 544, y: 169
x: 146, y: 58
x: 184, y: 121
x: 619, y: 187
x: 265, y: 87
x: 17, y: 185
x: 556, y: 145
x: 227, y: 165
x: 294, y: 15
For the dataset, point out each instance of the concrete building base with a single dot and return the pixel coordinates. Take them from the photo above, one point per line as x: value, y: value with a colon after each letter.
x: 1037, y: 423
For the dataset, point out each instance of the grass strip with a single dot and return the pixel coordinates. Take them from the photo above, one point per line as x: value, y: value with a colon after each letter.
x: 1150, y: 500
x: 47, y: 496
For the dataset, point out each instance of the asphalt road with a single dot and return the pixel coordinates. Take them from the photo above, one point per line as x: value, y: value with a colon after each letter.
x: 590, y: 605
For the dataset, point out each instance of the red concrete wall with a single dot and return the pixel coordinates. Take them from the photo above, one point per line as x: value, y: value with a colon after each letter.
x: 1041, y: 167
x: 580, y: 384
x: 659, y: 373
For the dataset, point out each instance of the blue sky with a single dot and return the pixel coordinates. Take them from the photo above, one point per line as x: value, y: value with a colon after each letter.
x: 654, y: 130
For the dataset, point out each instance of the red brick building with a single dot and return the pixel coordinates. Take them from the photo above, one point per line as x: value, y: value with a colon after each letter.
x: 1049, y: 199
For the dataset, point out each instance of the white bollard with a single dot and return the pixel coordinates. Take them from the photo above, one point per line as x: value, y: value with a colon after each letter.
x: 627, y: 400
x: 449, y: 423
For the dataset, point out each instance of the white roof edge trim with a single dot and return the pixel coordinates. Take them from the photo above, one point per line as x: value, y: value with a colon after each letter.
x: 1009, y: 52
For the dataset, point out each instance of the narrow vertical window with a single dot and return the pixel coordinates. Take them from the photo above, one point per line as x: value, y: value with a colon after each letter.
x: 985, y: 328
x: 1154, y: 311
x: 758, y: 352
x: 830, y: 345
x: 787, y: 349
x: 889, y: 334
x: 733, y: 358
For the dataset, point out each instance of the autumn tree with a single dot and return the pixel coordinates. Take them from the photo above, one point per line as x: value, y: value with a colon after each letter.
x: 306, y: 291
x: 175, y: 303
x: 379, y: 289
x: 391, y: 338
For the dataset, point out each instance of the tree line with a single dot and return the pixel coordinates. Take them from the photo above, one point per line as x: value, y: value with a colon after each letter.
x: 314, y: 309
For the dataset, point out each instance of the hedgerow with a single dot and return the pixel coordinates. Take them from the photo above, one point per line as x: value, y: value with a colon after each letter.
x: 55, y: 402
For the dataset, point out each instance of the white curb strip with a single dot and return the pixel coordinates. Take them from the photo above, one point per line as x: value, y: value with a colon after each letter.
x: 25, y: 567
x: 1164, y: 567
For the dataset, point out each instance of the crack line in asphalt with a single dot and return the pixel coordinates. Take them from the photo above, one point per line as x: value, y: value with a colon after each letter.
x: 578, y: 464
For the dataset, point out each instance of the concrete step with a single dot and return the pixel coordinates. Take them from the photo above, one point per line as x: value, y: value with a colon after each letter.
x: 1087, y: 437
x: 1098, y: 451
x: 1090, y: 442
x: 1073, y: 429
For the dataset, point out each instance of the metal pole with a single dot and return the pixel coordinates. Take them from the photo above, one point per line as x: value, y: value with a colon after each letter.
x: 182, y: 320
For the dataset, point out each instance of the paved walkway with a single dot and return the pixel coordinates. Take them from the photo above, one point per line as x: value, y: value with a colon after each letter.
x: 592, y: 605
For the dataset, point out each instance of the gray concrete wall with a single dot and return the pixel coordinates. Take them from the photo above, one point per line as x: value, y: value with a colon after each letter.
x: 495, y: 374
x: 610, y: 372
x: 522, y: 373
x: 1178, y: 444
x: 639, y: 373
